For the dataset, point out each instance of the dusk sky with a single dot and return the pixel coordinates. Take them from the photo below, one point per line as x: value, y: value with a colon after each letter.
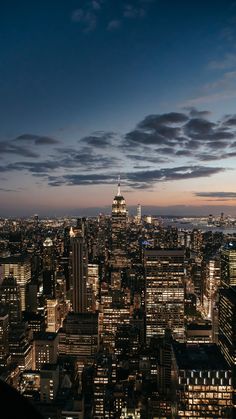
x: 91, y: 89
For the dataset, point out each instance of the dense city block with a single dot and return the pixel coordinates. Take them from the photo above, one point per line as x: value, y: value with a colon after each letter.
x: 119, y: 315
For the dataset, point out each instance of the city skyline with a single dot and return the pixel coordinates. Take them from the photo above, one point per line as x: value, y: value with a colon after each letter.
x: 93, y: 89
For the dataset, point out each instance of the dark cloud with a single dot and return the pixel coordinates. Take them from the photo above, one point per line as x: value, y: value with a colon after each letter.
x: 183, y: 153
x: 141, y: 167
x: 155, y: 141
x: 208, y: 157
x: 98, y: 139
x: 170, y: 174
x: 140, y: 179
x: 84, y: 160
x: 66, y: 150
x: 153, y: 122
x: 198, y: 128
x: 195, y: 113
x: 220, y: 195
x: 230, y: 121
x: 137, y: 137
x: 166, y: 150
x: 37, y: 139
x: 81, y: 179
x: 211, y: 156
x: 217, y: 144
x: 150, y: 159
x: 181, y: 134
x: 11, y: 148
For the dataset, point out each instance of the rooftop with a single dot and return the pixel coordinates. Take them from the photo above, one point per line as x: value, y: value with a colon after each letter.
x: 199, y: 357
x: 45, y: 336
x: 49, y: 367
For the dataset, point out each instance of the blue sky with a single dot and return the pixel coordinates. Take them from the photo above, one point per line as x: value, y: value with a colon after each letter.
x: 78, y: 83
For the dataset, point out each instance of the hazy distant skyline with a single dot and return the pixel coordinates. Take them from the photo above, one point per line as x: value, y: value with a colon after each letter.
x: 91, y: 89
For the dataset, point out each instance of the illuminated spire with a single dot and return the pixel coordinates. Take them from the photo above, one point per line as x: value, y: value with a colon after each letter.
x: 72, y: 234
x: 118, y: 193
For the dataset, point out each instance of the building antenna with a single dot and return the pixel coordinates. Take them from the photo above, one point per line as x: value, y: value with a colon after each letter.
x: 118, y: 193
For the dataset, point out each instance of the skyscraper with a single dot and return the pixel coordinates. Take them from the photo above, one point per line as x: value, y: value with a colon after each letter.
x: 48, y: 268
x: 227, y: 324
x: 228, y: 264
x: 4, y: 335
x: 20, y: 268
x: 164, y: 292
x: 139, y: 213
x: 119, y: 226
x: 227, y: 332
x: 79, y: 273
x: 10, y: 296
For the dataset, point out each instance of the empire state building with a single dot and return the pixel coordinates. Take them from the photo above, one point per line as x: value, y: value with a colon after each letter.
x: 119, y: 230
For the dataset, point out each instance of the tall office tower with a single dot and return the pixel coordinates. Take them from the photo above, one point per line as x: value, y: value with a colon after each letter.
x: 197, y: 273
x: 4, y: 335
x: 115, y: 310
x: 79, y: 273
x: 20, y: 268
x: 212, y: 283
x: 227, y: 330
x: 164, y: 294
x: 48, y: 268
x: 32, y: 296
x: 10, y: 296
x: 203, y: 382
x: 164, y: 365
x: 93, y: 287
x: 139, y: 213
x: 20, y: 347
x: 227, y: 324
x: 65, y: 259
x: 102, y: 380
x: 119, y: 230
x: 196, y: 240
x: 228, y: 264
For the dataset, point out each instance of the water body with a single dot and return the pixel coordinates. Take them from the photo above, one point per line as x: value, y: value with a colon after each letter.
x: 203, y: 227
